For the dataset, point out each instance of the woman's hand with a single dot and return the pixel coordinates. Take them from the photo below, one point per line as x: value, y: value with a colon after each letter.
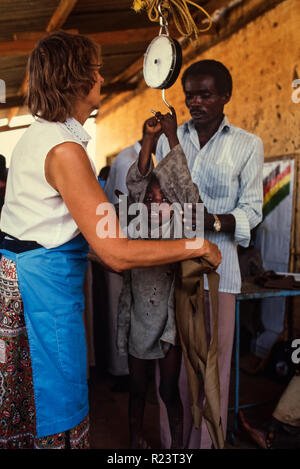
x: 212, y: 254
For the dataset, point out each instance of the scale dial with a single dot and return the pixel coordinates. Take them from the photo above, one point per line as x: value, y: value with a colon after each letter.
x: 162, y: 62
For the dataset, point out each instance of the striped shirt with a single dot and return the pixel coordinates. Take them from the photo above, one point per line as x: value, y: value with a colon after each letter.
x: 228, y: 172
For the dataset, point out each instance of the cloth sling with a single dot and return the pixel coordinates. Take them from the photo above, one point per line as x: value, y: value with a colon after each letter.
x: 201, y: 359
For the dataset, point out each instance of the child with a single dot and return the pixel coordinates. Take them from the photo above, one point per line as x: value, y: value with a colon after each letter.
x: 146, y: 325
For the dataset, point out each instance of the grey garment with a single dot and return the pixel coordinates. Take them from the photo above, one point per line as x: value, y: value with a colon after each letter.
x: 173, y: 175
x: 146, y: 326
x: 146, y: 317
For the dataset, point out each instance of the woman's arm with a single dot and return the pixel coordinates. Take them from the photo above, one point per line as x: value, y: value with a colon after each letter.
x: 68, y: 170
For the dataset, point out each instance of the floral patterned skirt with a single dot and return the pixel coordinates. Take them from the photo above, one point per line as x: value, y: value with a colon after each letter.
x: 17, y: 406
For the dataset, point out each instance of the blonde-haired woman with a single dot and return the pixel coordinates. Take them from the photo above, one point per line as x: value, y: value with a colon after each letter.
x: 48, y: 220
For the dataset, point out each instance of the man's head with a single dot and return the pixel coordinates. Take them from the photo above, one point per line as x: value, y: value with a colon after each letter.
x: 207, y: 85
x: 104, y: 173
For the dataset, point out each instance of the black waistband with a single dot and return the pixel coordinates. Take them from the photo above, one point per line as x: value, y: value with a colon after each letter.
x: 16, y: 245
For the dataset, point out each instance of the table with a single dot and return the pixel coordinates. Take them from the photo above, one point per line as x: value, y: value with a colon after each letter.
x: 250, y: 291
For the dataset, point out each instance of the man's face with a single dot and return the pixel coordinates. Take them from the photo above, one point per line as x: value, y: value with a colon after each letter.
x: 203, y: 100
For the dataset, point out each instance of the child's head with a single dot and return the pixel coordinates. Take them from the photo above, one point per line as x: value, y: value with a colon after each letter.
x: 154, y: 195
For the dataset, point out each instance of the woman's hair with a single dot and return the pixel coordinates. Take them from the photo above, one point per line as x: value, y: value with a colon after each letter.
x: 60, y: 70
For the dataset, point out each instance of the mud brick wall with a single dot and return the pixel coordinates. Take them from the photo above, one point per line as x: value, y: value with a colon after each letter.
x: 264, y: 59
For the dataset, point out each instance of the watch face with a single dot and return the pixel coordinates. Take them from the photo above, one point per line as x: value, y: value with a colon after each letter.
x: 217, y: 224
x: 159, y: 61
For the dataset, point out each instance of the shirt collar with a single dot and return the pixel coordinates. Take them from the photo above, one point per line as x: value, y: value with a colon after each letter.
x: 77, y: 130
x: 225, y: 125
x: 137, y: 146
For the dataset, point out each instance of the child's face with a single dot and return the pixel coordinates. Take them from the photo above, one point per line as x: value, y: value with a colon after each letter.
x: 154, y: 195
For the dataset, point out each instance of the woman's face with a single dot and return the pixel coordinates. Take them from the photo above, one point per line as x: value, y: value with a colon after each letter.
x: 93, y: 98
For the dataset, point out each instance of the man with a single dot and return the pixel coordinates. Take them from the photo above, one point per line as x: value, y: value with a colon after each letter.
x: 117, y: 176
x: 103, y: 176
x: 226, y: 163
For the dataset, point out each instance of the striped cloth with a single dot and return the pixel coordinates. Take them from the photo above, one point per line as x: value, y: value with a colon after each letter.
x: 228, y: 172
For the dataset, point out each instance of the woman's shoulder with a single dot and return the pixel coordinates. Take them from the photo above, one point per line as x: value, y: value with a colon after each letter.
x: 46, y: 135
x: 43, y: 136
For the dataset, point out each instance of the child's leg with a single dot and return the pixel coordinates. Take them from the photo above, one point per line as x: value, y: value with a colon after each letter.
x: 169, y: 392
x: 138, y: 379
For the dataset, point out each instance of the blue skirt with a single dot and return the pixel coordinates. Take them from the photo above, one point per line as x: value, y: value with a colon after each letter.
x: 50, y: 282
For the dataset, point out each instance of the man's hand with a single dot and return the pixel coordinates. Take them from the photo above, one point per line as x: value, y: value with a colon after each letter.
x: 227, y: 220
x: 207, y: 216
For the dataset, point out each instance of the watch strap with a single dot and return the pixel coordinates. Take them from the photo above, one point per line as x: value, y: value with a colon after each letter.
x: 217, y: 224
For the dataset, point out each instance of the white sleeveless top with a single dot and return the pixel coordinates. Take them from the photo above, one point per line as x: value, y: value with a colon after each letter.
x: 33, y: 210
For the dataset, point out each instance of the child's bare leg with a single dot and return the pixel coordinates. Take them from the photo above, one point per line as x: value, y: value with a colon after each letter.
x: 169, y: 392
x: 139, y: 377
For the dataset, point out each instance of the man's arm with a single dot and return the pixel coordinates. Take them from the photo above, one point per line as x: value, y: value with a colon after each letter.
x: 227, y: 222
x: 248, y: 211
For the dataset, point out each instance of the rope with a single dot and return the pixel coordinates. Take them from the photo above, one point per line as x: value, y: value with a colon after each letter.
x: 179, y: 9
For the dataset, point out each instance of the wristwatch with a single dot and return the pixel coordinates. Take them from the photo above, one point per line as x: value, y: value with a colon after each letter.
x: 217, y: 224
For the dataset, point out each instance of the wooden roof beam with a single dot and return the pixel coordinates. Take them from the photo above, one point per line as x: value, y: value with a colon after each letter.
x: 25, y: 42
x: 56, y: 21
x: 37, y: 35
x: 126, y: 36
x: 7, y: 128
x: 15, y: 101
x: 60, y: 15
x: 23, y: 47
x: 19, y: 101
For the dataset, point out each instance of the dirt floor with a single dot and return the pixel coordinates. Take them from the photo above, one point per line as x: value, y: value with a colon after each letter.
x: 109, y: 424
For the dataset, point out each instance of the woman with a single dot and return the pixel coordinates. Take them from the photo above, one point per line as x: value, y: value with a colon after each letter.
x: 48, y: 219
